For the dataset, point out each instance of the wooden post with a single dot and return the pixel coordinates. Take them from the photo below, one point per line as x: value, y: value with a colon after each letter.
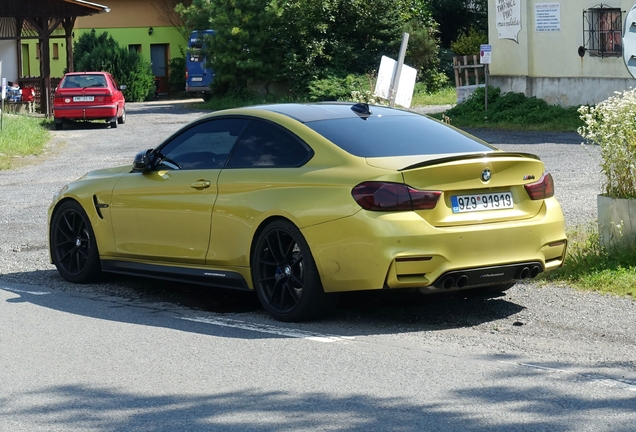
x: 68, y: 25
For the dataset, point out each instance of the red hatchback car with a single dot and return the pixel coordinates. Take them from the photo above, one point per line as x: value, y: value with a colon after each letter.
x: 89, y: 96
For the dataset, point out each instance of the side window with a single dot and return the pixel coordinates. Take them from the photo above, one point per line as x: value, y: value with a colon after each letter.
x: 113, y: 81
x: 602, y: 31
x: 267, y: 145
x: 205, y: 145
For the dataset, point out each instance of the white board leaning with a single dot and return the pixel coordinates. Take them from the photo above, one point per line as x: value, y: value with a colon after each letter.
x: 404, y: 93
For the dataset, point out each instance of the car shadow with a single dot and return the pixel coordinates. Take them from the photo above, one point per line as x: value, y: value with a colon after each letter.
x: 83, y: 125
x: 357, y: 313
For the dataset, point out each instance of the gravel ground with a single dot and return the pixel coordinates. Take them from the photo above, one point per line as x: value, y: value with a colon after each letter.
x: 547, y: 322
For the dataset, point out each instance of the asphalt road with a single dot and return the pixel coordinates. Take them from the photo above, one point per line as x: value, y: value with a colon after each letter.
x: 137, y: 355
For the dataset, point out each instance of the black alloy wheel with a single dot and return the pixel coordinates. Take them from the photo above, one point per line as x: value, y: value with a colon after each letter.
x: 73, y: 246
x: 285, y: 276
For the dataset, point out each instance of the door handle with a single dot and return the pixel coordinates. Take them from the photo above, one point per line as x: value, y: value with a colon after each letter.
x: 200, y: 184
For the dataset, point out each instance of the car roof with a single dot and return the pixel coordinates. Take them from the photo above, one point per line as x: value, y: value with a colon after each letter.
x: 310, y: 112
x: 86, y: 73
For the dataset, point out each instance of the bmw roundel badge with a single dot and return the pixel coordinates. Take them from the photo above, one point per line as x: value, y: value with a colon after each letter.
x: 485, y: 175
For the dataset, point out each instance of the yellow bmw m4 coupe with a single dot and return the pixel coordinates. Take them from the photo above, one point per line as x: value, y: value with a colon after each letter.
x: 299, y: 202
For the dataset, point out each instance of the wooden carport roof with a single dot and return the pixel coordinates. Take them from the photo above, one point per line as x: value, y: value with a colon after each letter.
x: 37, y: 19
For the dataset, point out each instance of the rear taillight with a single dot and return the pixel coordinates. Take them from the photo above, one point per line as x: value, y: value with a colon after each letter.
x: 542, y: 189
x: 384, y: 196
x: 108, y: 98
x: 186, y: 74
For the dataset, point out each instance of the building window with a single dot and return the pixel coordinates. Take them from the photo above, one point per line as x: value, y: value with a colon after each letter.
x: 56, y: 51
x: 37, y: 50
x: 602, y: 31
x: 135, y: 48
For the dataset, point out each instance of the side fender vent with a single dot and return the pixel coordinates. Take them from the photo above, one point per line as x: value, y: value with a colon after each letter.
x: 99, y: 206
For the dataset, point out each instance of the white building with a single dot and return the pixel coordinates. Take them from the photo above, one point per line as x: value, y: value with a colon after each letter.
x: 568, y: 52
x: 9, y: 59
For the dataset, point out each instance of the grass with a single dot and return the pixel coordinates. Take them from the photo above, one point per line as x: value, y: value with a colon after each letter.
x: 446, y: 96
x: 590, y: 267
x: 21, y: 136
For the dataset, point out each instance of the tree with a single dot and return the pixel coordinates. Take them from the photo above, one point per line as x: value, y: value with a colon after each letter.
x: 94, y: 52
x: 458, y: 16
x: 167, y: 13
x: 298, y: 41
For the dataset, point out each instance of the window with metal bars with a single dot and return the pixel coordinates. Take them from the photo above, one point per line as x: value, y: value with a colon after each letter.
x: 602, y: 31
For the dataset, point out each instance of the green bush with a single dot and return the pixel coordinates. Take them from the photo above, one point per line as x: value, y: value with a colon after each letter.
x: 177, y: 79
x: 512, y: 110
x: 339, y: 88
x: 469, y: 43
x: 94, y: 52
x: 434, y: 80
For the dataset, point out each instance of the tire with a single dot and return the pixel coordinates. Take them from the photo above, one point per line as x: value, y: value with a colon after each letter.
x: 72, y: 244
x: 207, y: 97
x: 285, y: 276
x: 59, y: 125
x: 113, y: 123
x: 122, y: 119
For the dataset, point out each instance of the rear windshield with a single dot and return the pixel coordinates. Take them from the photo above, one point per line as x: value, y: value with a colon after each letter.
x: 402, y: 135
x: 83, y: 81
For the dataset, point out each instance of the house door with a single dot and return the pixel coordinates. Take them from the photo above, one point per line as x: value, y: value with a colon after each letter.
x: 159, y: 59
x: 26, y: 61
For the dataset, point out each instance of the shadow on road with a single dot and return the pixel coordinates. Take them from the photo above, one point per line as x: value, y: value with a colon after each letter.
x: 485, y: 408
x: 358, y: 313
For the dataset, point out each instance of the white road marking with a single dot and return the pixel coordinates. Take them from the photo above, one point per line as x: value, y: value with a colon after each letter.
x: 24, y: 292
x: 265, y: 328
x: 607, y: 382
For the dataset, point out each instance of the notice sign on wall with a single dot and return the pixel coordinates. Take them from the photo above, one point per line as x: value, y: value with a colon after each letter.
x: 547, y: 17
x: 508, y: 19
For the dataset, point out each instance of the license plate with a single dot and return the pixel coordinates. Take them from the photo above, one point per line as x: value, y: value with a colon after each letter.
x: 197, y: 79
x: 481, y: 202
x: 83, y: 98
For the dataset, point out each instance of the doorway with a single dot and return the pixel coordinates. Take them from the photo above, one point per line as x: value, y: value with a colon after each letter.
x: 159, y: 59
x: 26, y: 61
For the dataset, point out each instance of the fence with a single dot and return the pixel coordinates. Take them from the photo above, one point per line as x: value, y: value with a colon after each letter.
x: 36, y: 83
x: 469, y: 75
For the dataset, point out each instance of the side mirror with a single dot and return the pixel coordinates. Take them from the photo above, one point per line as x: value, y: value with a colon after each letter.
x: 142, y: 161
x: 122, y: 87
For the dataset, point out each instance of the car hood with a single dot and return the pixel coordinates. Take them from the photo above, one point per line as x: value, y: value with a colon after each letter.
x: 106, y: 172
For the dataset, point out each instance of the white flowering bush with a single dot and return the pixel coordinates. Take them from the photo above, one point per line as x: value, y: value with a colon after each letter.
x: 611, y: 126
x: 367, y: 96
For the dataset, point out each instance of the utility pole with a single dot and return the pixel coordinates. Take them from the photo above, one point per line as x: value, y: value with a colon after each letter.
x: 395, y: 82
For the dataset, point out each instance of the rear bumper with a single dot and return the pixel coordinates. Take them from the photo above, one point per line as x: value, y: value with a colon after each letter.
x: 373, y: 250
x: 85, y: 112
x: 197, y: 89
